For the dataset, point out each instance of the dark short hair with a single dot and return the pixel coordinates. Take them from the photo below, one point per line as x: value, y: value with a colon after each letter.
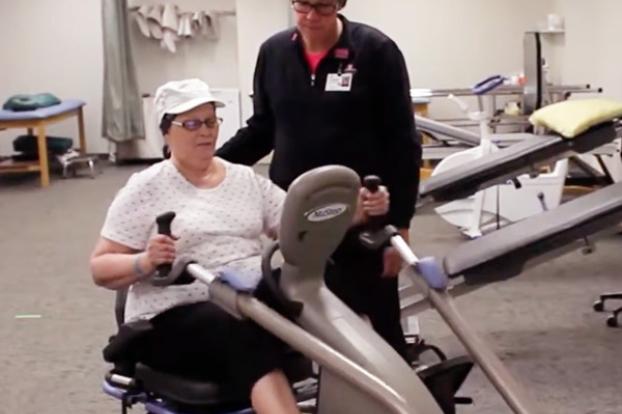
x: 167, y: 121
x: 165, y: 126
x: 342, y: 3
x: 166, y: 152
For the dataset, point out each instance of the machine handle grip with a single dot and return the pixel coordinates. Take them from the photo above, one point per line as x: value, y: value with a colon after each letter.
x: 373, y: 183
x: 164, y: 222
x: 488, y: 84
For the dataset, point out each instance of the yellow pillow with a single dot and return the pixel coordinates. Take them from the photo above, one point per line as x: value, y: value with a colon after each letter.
x: 572, y: 118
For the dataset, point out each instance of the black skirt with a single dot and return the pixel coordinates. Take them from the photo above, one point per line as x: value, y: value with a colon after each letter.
x: 203, y: 342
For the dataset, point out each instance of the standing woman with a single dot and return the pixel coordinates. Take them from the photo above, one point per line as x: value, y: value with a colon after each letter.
x: 332, y: 91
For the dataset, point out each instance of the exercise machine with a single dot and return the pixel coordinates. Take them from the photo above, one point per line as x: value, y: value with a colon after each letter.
x: 359, y: 371
x: 504, y: 203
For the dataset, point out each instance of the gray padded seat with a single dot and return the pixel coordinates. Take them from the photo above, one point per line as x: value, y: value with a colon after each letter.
x: 507, y: 163
x: 189, y: 391
x: 503, y: 253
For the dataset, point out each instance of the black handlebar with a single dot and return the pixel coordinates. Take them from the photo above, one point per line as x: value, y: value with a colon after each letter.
x: 375, y: 234
x: 164, y: 222
x: 167, y: 273
x: 373, y: 183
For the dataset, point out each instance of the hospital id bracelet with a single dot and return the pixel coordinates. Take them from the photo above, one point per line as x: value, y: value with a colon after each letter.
x: 137, y: 269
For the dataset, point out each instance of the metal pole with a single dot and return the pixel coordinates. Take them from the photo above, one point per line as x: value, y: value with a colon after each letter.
x: 304, y: 342
x: 511, y: 391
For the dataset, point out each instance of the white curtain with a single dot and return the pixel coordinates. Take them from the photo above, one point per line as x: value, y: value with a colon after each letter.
x: 122, y: 114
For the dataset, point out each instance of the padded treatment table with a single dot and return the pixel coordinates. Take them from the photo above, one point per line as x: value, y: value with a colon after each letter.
x: 436, y: 128
x: 39, y: 119
x: 507, y: 163
x: 504, y: 253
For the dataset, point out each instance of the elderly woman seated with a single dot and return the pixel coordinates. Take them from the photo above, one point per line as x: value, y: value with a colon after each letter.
x: 222, y: 210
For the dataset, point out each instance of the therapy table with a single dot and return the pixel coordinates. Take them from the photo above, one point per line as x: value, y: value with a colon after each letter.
x: 38, y: 120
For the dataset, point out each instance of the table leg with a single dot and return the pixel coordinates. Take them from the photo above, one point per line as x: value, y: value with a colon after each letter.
x: 81, y: 131
x: 43, y: 156
x: 421, y: 109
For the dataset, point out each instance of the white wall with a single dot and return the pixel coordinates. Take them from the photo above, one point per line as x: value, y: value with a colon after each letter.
x: 61, y: 52
x: 591, y: 45
x: 214, y: 61
x: 447, y: 43
x: 257, y: 20
x: 452, y: 43
x: 53, y: 46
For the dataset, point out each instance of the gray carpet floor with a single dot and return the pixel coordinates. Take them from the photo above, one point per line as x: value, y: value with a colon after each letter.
x: 54, y: 321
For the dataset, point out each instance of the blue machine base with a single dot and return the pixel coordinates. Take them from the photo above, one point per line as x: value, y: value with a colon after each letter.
x: 152, y: 405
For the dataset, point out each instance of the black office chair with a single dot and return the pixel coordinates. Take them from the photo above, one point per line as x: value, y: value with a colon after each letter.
x: 599, y: 306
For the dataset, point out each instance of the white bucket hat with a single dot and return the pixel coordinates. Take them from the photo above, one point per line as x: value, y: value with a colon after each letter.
x: 176, y: 97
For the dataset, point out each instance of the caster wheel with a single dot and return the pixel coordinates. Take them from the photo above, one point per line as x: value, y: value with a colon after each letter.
x: 612, y: 321
x: 599, y: 306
